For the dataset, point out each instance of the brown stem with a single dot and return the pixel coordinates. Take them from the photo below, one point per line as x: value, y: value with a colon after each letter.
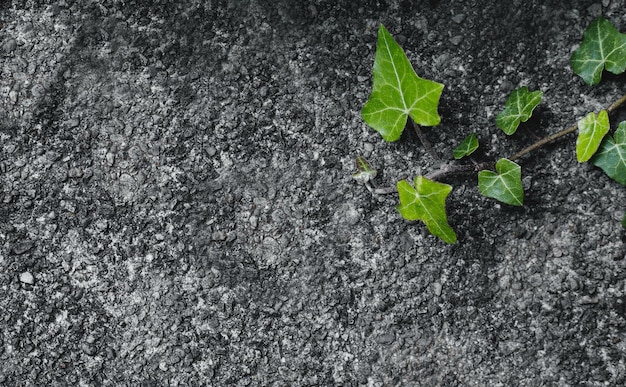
x: 427, y: 145
x: 380, y: 190
x: 560, y: 134
x: 448, y: 169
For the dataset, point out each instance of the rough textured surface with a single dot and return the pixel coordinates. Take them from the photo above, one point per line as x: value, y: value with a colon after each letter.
x: 177, y: 209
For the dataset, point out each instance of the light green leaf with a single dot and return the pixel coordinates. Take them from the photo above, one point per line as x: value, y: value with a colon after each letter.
x: 603, y: 46
x: 591, y: 131
x: 365, y: 171
x: 466, y: 147
x: 398, y: 92
x: 611, y: 156
x: 427, y: 202
x: 505, y: 186
x: 518, y: 108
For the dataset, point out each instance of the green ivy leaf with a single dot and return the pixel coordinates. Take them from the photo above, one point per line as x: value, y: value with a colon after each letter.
x: 505, y: 186
x: 365, y: 171
x: 624, y: 220
x: 518, y: 108
x: 591, y: 131
x: 611, y: 156
x: 427, y: 202
x: 466, y: 147
x: 603, y: 46
x: 398, y: 92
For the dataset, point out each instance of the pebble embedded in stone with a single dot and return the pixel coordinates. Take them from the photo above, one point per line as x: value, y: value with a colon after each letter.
x: 458, y: 18
x: 9, y: 45
x: 386, y: 338
x: 456, y: 40
x: 27, y: 278
x: 22, y: 247
x: 437, y: 288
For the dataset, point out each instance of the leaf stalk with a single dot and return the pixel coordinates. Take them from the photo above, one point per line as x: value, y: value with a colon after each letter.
x: 564, y: 132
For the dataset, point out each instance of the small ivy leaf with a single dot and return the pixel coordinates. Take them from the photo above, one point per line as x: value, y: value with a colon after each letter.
x: 505, y: 186
x: 591, y: 131
x: 398, y: 92
x: 518, y: 108
x: 466, y: 147
x: 366, y: 172
x: 603, y: 46
x: 624, y: 220
x: 611, y: 156
x: 427, y: 202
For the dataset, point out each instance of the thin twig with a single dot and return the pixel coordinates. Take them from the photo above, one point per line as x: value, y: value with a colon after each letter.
x: 448, y: 169
x: 427, y: 145
x: 380, y: 190
x: 562, y: 133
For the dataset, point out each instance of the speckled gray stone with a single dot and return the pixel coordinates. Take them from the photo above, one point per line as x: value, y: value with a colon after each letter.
x: 215, y: 235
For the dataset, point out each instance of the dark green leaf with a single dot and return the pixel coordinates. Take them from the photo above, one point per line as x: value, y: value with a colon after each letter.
x: 398, y: 92
x: 611, y: 156
x: 427, y: 202
x: 591, y: 131
x: 603, y: 46
x: 518, y: 108
x: 505, y: 186
x: 466, y: 147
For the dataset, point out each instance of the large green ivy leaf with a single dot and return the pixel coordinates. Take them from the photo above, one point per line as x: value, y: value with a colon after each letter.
x: 398, y: 92
x: 603, y: 46
x: 427, y: 202
x: 591, y: 131
x: 518, y: 108
x: 611, y: 156
x: 624, y: 220
x: 505, y: 186
x: 466, y: 147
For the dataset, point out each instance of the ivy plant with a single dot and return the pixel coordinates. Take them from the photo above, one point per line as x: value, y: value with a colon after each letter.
x: 426, y: 201
x: 399, y: 95
x: 612, y: 155
x: 591, y: 131
x: 505, y: 185
x: 518, y: 108
x: 466, y: 147
x: 603, y: 46
x: 398, y: 92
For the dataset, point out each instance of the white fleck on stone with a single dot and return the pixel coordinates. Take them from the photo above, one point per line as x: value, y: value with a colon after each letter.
x: 13, y: 96
x: 254, y: 222
x: 456, y: 40
x: 504, y: 282
x: 218, y: 235
x: 127, y: 187
x: 110, y: 158
x: 437, y: 287
x: 352, y: 216
x: 458, y: 19
x: 27, y: 278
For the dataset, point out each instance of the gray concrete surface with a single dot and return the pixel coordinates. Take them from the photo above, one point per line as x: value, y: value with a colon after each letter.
x: 176, y: 206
